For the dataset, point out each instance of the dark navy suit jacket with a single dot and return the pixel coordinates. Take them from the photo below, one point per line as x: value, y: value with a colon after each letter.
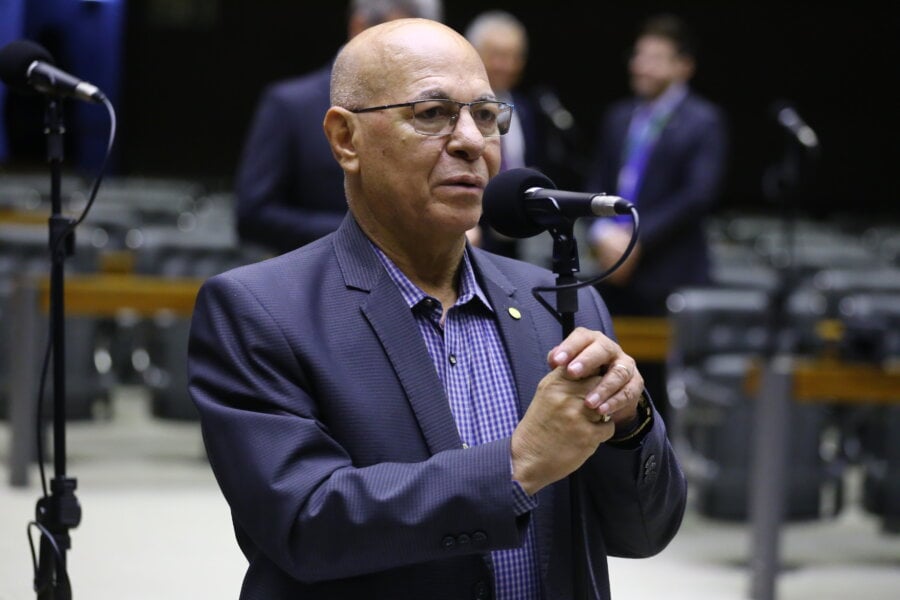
x: 533, y: 130
x: 331, y: 437
x: 680, y: 186
x: 289, y: 187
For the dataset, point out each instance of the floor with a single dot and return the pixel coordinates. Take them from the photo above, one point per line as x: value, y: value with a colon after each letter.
x: 154, y: 526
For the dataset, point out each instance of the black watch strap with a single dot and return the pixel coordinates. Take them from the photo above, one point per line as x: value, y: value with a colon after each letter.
x: 637, y: 427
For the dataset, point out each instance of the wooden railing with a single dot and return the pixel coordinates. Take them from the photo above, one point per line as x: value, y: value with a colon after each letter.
x: 644, y: 338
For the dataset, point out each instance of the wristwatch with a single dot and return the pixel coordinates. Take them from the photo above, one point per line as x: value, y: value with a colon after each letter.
x: 637, y: 428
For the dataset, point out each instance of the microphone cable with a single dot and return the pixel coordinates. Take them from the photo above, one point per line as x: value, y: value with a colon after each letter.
x: 536, y: 291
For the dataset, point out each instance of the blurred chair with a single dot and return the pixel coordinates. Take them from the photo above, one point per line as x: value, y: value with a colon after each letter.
x: 860, y: 305
x: 20, y: 195
x: 754, y: 276
x: 717, y: 335
x: 159, y: 345
x: 742, y: 228
x: 31, y: 191
x: 884, y: 241
x: 735, y: 263
x: 24, y: 255
x: 872, y: 334
x: 153, y: 200
x: 838, y: 283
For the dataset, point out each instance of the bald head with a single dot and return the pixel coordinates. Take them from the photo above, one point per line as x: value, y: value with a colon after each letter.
x: 368, y: 66
x: 409, y: 190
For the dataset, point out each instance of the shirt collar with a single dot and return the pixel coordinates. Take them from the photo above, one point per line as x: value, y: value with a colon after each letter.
x: 412, y: 295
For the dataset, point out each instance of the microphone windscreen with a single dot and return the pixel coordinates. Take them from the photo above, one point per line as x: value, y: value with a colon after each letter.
x: 15, y: 58
x: 504, y: 202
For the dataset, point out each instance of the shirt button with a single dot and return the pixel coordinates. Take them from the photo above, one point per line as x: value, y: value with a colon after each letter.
x: 452, y: 359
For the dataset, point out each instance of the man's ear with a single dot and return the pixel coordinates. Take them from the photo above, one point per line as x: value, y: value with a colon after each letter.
x: 339, y: 125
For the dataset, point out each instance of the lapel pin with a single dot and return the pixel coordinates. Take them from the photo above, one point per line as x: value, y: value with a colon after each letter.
x: 514, y: 313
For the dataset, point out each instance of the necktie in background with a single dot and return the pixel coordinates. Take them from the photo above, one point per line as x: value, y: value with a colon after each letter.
x: 643, y: 132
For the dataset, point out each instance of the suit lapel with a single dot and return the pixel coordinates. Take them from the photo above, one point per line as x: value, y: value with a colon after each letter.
x: 396, y: 328
x: 517, y: 331
x: 667, y: 142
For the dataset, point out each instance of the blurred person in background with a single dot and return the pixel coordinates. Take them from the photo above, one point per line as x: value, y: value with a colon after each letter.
x: 543, y: 134
x: 665, y: 149
x: 289, y: 189
x: 502, y: 42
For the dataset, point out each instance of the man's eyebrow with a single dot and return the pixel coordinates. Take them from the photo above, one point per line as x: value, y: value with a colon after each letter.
x: 433, y: 94
x: 440, y: 94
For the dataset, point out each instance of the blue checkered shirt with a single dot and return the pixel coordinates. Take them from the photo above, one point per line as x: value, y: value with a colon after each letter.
x: 470, y: 360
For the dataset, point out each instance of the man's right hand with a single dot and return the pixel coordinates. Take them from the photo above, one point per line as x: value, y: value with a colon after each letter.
x: 558, y: 432
x: 575, y: 408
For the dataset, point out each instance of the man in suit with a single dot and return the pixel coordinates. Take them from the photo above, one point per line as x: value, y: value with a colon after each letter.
x: 666, y: 150
x: 502, y: 42
x: 289, y: 189
x: 388, y: 410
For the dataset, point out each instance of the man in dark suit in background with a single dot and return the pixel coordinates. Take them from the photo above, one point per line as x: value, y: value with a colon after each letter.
x: 289, y: 188
x: 502, y: 42
x: 666, y: 150
x: 389, y: 412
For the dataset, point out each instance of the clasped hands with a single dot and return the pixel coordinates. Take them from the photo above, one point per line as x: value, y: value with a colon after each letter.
x: 593, y: 388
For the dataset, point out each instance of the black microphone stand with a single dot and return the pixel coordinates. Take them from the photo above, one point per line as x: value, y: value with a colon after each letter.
x: 784, y: 184
x: 565, y: 265
x: 60, y: 511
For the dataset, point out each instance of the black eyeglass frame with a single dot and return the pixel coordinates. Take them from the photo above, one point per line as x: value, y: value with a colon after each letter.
x: 504, y: 107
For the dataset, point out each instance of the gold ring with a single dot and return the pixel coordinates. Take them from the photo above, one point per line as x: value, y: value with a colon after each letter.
x: 605, y: 419
x: 624, y: 368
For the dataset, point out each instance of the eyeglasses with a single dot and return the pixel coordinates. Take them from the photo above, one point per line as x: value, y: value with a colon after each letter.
x: 439, y: 116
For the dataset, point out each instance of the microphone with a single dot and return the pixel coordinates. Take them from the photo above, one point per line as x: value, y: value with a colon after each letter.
x: 788, y: 118
x: 551, y: 106
x: 520, y: 203
x: 26, y: 66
